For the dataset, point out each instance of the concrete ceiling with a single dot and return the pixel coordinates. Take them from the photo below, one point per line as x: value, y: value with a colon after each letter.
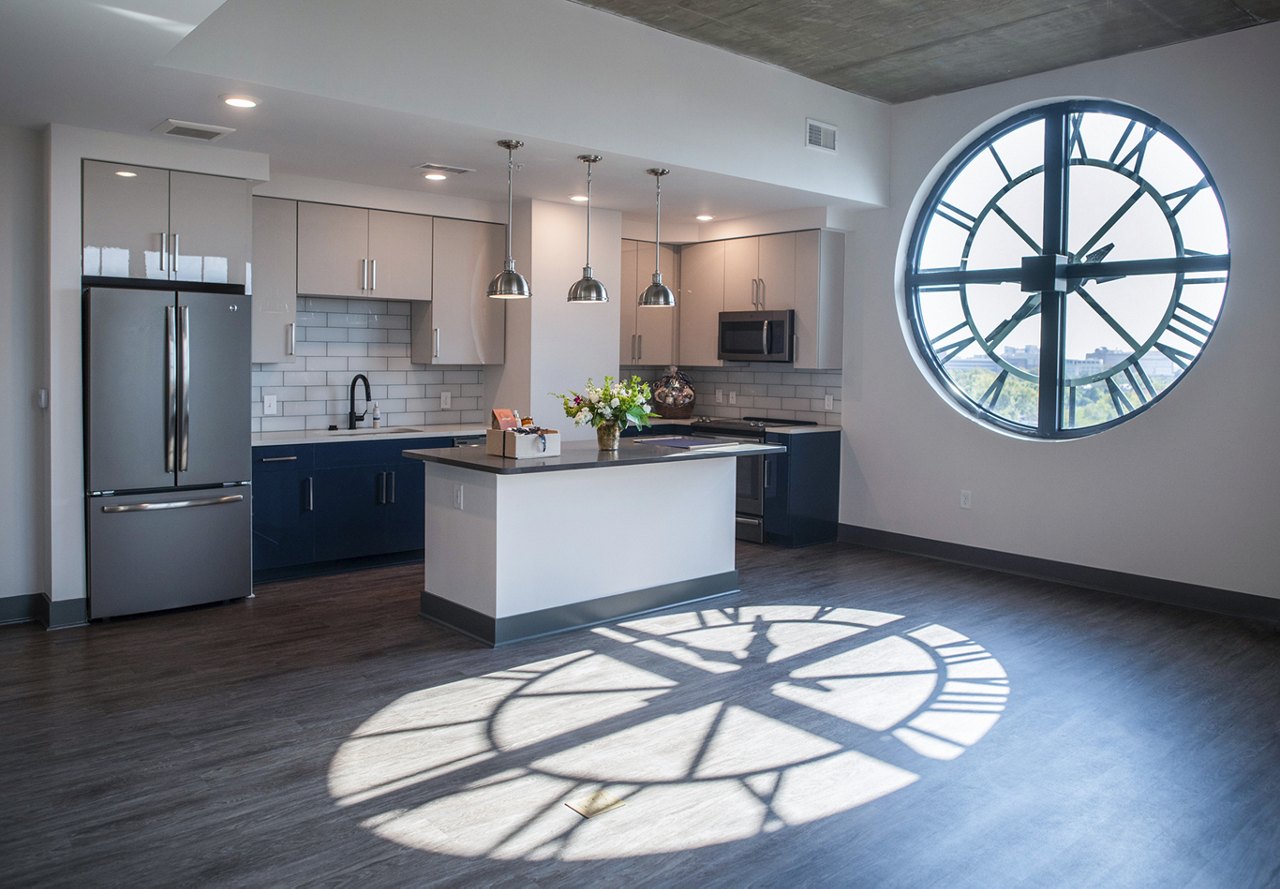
x: 901, y: 50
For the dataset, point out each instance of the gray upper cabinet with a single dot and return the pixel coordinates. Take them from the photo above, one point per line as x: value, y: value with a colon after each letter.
x: 647, y: 333
x: 702, y: 268
x: 760, y: 273
x: 803, y: 271
x: 274, y: 282
x: 352, y: 251
x: 819, y: 300
x: 144, y: 222
x: 461, y: 324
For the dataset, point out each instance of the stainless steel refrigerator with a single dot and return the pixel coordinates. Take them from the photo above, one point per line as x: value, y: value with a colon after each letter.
x: 167, y: 451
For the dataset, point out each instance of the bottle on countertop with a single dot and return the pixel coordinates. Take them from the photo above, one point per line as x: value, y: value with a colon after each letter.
x: 377, y: 416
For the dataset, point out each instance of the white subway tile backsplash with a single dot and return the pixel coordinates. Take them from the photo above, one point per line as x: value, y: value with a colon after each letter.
x: 349, y: 350
x: 339, y: 338
x: 762, y: 390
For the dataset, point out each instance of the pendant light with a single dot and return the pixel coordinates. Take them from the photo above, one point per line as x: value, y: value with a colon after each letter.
x: 657, y: 293
x: 508, y: 283
x: 588, y: 289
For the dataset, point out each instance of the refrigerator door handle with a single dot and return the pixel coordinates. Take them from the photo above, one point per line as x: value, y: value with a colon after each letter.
x: 175, y: 504
x: 184, y: 440
x: 171, y: 389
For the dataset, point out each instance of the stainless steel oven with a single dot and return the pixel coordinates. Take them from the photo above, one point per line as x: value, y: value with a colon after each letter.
x: 757, y: 473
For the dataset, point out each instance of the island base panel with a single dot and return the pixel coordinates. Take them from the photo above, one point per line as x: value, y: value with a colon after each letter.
x: 499, y: 631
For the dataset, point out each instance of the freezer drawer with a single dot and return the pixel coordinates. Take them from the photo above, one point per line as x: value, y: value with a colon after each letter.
x: 149, y: 552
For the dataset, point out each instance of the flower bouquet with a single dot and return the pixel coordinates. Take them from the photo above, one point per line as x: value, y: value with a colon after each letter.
x: 609, y: 408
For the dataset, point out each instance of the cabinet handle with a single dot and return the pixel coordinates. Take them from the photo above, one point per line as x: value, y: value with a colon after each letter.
x: 291, y: 347
x: 373, y: 283
x: 755, y: 293
x: 391, y: 488
x: 382, y: 488
x: 763, y: 292
x: 288, y: 459
x: 364, y: 275
x: 164, y: 248
x: 311, y: 495
x: 174, y: 265
x: 639, y: 346
x: 435, y: 348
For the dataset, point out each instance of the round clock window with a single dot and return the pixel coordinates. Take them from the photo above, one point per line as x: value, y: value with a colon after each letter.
x: 1067, y: 268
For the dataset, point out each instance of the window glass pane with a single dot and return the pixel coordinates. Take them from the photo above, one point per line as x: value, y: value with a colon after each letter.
x: 986, y: 339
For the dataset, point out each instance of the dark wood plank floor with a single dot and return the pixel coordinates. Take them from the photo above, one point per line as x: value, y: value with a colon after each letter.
x: 1140, y: 746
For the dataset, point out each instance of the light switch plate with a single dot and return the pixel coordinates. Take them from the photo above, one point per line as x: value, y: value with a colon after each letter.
x: 829, y: 403
x: 446, y: 399
x: 733, y: 397
x: 269, y: 406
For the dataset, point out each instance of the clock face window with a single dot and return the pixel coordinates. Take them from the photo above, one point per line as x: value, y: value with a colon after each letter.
x: 1067, y: 269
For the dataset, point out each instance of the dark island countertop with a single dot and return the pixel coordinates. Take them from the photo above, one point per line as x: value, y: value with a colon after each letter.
x: 586, y: 455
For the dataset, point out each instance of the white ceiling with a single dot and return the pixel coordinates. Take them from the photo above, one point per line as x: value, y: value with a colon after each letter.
x: 126, y: 65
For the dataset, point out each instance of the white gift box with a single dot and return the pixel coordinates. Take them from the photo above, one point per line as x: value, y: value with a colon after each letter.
x: 509, y: 443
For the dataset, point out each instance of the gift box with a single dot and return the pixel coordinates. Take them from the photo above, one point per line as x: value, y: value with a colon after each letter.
x: 510, y: 443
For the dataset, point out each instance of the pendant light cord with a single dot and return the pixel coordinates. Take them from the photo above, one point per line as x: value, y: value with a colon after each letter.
x: 511, y: 164
x: 588, y: 214
x: 657, y: 228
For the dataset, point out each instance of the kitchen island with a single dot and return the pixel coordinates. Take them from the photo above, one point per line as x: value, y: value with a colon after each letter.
x: 522, y: 548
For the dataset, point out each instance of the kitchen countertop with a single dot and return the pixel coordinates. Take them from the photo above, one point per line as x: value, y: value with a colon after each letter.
x: 585, y: 455
x: 365, y: 433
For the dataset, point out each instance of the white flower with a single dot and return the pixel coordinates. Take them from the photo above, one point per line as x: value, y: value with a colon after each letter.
x: 582, y: 417
x: 594, y: 395
x: 606, y: 413
x: 645, y: 408
x: 614, y: 403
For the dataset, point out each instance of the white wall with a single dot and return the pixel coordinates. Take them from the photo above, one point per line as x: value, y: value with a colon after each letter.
x: 1187, y: 490
x: 22, y: 433
x: 553, y: 70
x: 554, y: 345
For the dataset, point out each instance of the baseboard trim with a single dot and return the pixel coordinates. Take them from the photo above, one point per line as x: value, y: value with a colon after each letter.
x: 520, y: 627
x: 1154, y: 589
x: 22, y: 609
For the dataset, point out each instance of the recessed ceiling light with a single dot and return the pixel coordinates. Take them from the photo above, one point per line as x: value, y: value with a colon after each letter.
x: 241, y: 101
x: 128, y: 174
x: 578, y: 198
x: 435, y: 177
x: 703, y: 217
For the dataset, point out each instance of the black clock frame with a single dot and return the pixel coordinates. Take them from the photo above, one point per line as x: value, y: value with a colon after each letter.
x: 1053, y: 274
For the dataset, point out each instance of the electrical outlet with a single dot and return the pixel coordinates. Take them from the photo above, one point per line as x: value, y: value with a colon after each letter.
x: 829, y: 403
x: 733, y: 397
x: 719, y: 396
x: 446, y: 399
x: 457, y: 496
x: 269, y: 406
x: 966, y: 499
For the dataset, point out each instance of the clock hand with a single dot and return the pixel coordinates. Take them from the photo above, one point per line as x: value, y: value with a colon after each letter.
x: 1097, y: 256
x: 1030, y: 307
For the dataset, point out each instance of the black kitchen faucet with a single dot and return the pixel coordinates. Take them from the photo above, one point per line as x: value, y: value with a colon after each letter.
x: 352, y: 416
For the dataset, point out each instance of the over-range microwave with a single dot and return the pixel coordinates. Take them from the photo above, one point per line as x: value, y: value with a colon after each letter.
x: 756, y: 336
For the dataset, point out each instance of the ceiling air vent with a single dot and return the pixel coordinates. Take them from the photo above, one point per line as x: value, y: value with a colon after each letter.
x: 443, y: 168
x: 820, y: 135
x: 204, y: 132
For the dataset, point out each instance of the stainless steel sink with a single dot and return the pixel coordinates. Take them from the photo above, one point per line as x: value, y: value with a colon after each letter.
x: 369, y: 430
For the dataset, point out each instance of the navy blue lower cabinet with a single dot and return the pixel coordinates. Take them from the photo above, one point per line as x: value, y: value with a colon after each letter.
x: 344, y: 501
x: 283, y: 514
x: 802, y: 489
